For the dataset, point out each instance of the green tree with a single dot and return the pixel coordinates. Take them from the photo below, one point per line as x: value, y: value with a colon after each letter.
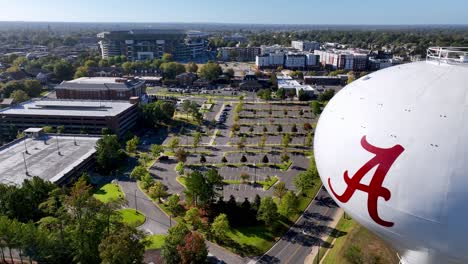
x: 132, y: 144
x: 192, y: 218
x: 33, y: 88
x: 125, y: 246
x: 281, y: 94
x: 139, y: 172
x: 305, y: 180
x: 262, y: 141
x: 268, y: 211
x: 48, y: 129
x: 220, y: 227
x: 264, y: 94
x: 197, y: 139
x: 286, y: 140
x: 288, y: 205
x: 157, y: 191
x: 173, y: 143
x: 265, y: 159
x: 180, y: 168
x: 327, y: 95
x: 147, y: 181
x: 63, y: 70
x: 181, y: 155
x: 175, y: 237
x: 279, y: 190
x: 173, y: 205
x: 156, y: 149
x: 159, y: 112
x: 81, y: 72
x: 172, y: 69
x: 167, y: 57
x: 245, y: 177
x: 19, y: 96
x: 210, y: 71
x: 109, y: 154
x: 308, y: 141
x: 191, y: 67
x: 316, y: 108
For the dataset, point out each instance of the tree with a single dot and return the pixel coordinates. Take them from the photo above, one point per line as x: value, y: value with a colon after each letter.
x: 173, y: 205
x: 262, y: 141
x: 180, y: 168
x: 172, y: 69
x: 48, y: 129
x: 156, y: 149
x: 109, y: 154
x: 191, y: 67
x: 285, y: 140
x: 220, y: 227
x: 305, y: 180
x: 173, y: 143
x: 192, y: 218
x: 316, y: 108
x: 279, y: 190
x: 81, y: 71
x: 281, y: 94
x: 245, y: 177
x: 159, y: 112
x: 19, y: 96
x: 127, y: 245
x: 279, y: 128
x: 268, y: 211
x: 147, y: 181
x: 302, y: 96
x: 167, y: 57
x: 288, y: 205
x: 202, y: 159
x: 284, y: 157
x: 181, y: 155
x: 196, y: 139
x: 308, y: 142
x: 307, y: 127
x: 243, y: 159
x: 327, y: 95
x: 127, y: 67
x: 193, y: 250
x: 175, y: 237
x: 210, y: 71
x: 33, y: 88
x: 265, y: 159
x: 60, y: 129
x: 294, y: 128
x: 224, y: 159
x: 264, y: 94
x: 139, y: 172
x: 132, y: 144
x: 351, y: 77
x: 63, y: 70
x: 157, y: 191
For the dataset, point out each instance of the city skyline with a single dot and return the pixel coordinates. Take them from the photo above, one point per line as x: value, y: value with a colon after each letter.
x: 364, y: 12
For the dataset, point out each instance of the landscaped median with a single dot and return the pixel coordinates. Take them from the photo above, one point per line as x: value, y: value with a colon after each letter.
x: 132, y: 217
x: 109, y: 192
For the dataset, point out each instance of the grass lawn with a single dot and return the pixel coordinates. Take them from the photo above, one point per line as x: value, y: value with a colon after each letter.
x: 108, y: 192
x: 156, y: 241
x: 132, y: 217
x: 267, y: 184
x: 182, y: 180
x: 349, y: 233
x: 285, y: 166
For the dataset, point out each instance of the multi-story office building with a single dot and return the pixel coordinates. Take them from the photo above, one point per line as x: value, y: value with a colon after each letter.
x: 312, y: 60
x: 270, y: 60
x: 343, y: 59
x: 305, y: 45
x: 101, y: 88
x: 295, y: 61
x: 239, y: 53
x: 151, y: 44
x: 76, y: 116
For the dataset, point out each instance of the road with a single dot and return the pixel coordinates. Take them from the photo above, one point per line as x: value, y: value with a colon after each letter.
x: 295, y: 246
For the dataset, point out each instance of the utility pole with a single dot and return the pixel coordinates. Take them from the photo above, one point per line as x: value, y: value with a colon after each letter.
x: 255, y: 173
x: 25, y: 166
x: 136, y: 205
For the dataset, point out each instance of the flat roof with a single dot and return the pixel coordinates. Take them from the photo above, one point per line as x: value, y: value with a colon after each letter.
x: 100, y: 83
x: 43, y: 159
x: 68, y: 108
x: 286, y: 82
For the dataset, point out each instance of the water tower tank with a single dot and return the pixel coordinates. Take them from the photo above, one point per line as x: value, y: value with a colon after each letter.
x: 392, y: 150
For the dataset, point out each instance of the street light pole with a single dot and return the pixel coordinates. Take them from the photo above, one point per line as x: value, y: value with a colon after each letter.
x: 58, y: 147
x: 136, y: 205
x: 255, y: 173
x: 25, y: 147
x: 25, y: 166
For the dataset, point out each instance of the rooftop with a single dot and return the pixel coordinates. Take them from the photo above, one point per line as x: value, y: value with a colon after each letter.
x: 68, y: 108
x: 101, y: 83
x: 286, y: 82
x: 43, y: 159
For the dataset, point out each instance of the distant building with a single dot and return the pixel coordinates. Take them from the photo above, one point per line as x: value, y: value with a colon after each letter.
x: 101, y: 88
x: 149, y: 44
x: 55, y: 158
x: 343, y: 59
x: 238, y: 38
x: 339, y: 80
x: 239, y: 53
x: 77, y: 116
x: 305, y: 45
x: 270, y: 60
x: 295, y: 61
x: 250, y: 83
x: 287, y: 83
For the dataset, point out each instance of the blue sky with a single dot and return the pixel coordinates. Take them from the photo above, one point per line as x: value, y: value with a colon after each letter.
x: 240, y: 11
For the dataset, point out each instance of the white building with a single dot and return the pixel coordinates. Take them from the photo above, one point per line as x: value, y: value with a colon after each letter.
x: 305, y: 45
x: 295, y: 61
x: 288, y: 83
x: 270, y: 60
x: 312, y: 60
